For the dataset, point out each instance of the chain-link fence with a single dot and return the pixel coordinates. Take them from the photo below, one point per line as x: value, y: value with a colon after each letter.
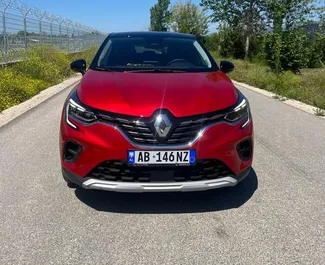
x: 22, y: 26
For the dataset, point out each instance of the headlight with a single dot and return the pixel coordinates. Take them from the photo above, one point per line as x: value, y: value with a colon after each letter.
x: 240, y: 111
x: 79, y: 113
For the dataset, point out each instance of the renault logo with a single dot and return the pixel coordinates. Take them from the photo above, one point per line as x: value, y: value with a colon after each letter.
x: 162, y: 125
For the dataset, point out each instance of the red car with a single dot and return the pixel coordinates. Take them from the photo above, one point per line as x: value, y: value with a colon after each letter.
x: 154, y: 112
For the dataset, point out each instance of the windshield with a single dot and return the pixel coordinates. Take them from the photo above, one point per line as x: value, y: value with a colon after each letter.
x: 152, y: 53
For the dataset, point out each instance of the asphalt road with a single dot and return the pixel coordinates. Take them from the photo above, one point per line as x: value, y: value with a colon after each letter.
x: 276, y: 216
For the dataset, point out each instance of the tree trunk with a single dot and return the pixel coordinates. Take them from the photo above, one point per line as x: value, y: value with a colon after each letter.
x: 249, y: 28
x: 247, y: 47
x: 278, y: 21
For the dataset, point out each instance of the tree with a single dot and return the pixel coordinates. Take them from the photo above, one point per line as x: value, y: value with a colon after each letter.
x: 159, y: 16
x: 287, y: 14
x: 189, y: 18
x: 244, y: 16
x: 316, y: 42
x: 212, y: 41
x: 288, y: 49
x: 231, y: 44
x: 283, y: 18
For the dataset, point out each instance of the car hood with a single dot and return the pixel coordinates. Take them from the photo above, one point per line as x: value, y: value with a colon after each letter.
x: 141, y: 94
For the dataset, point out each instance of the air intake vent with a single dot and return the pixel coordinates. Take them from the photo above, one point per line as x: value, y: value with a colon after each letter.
x: 72, y: 151
x: 244, y: 150
x: 120, y: 171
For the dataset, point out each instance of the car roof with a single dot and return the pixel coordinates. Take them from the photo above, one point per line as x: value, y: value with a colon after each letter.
x: 152, y: 34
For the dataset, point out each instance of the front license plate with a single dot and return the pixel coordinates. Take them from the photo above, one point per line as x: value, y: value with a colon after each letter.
x: 184, y: 157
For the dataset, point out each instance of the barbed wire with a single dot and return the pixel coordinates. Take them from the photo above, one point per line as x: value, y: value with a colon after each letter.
x: 24, y: 9
x: 22, y: 26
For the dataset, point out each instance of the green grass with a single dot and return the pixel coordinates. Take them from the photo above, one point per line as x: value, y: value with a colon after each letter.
x: 309, y: 87
x: 45, y: 66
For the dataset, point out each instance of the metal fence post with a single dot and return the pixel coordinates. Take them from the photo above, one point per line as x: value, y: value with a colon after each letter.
x: 24, y: 10
x: 68, y: 23
x: 60, y: 30
x: 5, y: 40
x: 40, y: 26
x: 68, y: 38
x: 40, y: 15
x: 25, y: 32
x: 51, y: 32
x: 4, y: 35
x: 73, y: 37
x: 88, y: 29
x: 25, y: 26
x: 50, y: 17
x: 77, y: 41
x: 58, y: 20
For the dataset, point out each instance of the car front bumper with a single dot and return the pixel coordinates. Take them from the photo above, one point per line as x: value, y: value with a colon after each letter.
x: 139, y: 187
x: 102, y: 142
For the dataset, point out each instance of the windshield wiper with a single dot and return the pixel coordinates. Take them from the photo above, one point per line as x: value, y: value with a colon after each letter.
x: 102, y: 69
x: 155, y: 71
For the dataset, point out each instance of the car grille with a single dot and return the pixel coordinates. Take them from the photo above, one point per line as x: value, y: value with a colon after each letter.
x: 187, y: 130
x: 120, y: 171
x: 142, y: 131
x: 136, y: 129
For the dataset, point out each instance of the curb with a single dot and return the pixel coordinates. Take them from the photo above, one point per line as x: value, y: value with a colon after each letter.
x: 12, y: 113
x: 291, y: 102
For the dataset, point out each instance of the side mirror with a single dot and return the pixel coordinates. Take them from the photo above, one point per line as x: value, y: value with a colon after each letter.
x: 226, y: 66
x: 79, y: 66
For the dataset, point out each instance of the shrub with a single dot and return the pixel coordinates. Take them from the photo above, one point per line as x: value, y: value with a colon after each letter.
x: 88, y: 55
x: 16, y: 88
x: 309, y: 87
x: 55, y: 56
x: 36, y: 68
x: 231, y: 44
x: 44, y: 66
x: 317, y: 51
x: 46, y: 63
x: 313, y: 82
x: 291, y: 44
x: 212, y: 42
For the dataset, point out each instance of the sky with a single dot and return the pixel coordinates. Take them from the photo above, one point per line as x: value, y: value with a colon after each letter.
x: 104, y: 15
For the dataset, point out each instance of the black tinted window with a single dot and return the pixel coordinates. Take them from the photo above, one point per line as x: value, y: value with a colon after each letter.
x: 151, y: 52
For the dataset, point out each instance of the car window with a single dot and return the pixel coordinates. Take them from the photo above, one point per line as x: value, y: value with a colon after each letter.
x: 106, y: 52
x: 203, y: 54
x: 153, y: 52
